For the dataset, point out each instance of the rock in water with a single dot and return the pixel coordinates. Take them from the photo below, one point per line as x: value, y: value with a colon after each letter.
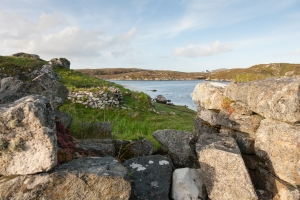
x: 150, y: 176
x: 272, y: 98
x: 278, y: 143
x: 180, y: 146
x: 223, y: 168
x: 84, y: 178
x: 188, y: 184
x: 27, y: 136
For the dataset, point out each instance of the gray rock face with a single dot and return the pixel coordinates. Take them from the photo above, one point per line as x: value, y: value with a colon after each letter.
x: 209, y: 95
x: 188, y: 184
x: 44, y: 82
x: 101, y: 148
x: 86, y: 178
x: 201, y: 127
x: 236, y: 121
x: 142, y: 147
x: 64, y: 118
x: 209, y: 116
x: 180, y: 146
x: 224, y: 171
x: 272, y: 98
x: 61, y: 62
x: 161, y: 99
x: 26, y: 55
x: 278, y: 144
x: 27, y: 136
x: 243, y: 140
x: 150, y: 176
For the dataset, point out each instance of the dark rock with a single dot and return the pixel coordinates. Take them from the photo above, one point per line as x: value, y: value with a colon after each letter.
x: 161, y: 99
x: 150, y: 176
x: 63, y: 118
x: 101, y: 148
x: 142, y: 147
x: 180, y: 146
x: 61, y: 62
x: 201, y: 127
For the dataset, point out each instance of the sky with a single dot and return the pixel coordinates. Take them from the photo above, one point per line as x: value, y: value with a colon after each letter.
x: 179, y: 35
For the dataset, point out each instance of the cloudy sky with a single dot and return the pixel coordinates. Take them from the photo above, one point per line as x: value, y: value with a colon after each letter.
x: 181, y: 35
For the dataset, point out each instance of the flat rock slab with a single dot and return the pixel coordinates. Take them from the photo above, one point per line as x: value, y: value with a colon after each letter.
x: 278, y: 144
x: 27, y: 136
x: 180, y: 146
x: 209, y: 95
x: 150, y: 176
x: 188, y: 184
x: 101, y: 148
x: 223, y: 168
x: 277, y: 99
x: 85, y: 178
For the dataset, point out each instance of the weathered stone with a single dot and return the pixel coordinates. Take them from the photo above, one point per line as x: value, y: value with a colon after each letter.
x: 27, y: 131
x: 161, y: 99
x: 236, y: 121
x: 188, y: 184
x: 84, y: 178
x: 201, y: 127
x: 280, y: 190
x: 209, y: 116
x: 243, y: 140
x: 42, y: 83
x: 150, y: 176
x: 180, y: 146
x: 224, y: 171
x: 142, y: 147
x: 209, y: 95
x: 272, y: 98
x: 101, y: 148
x: 64, y: 118
x: 240, y: 108
x: 61, y: 62
x: 26, y: 55
x: 278, y: 144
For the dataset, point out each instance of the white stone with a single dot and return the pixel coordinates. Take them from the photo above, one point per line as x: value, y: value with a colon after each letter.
x: 188, y: 184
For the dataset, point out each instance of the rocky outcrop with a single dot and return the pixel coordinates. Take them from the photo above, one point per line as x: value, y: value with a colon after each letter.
x: 43, y: 82
x: 180, y: 146
x: 209, y: 95
x: 160, y: 99
x: 278, y: 144
x: 150, y: 177
x: 272, y: 98
x: 224, y: 172
x: 26, y: 55
x: 85, y: 178
x: 188, y: 184
x: 27, y: 136
x: 263, y: 118
x: 60, y: 62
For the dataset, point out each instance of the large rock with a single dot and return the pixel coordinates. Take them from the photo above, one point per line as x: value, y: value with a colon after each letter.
x: 209, y: 116
x: 150, y: 176
x: 272, y: 98
x: 236, y: 121
x: 243, y: 140
x: 101, y: 148
x: 161, y: 99
x: 224, y: 171
x: 43, y: 82
x: 61, y: 62
x: 85, y: 178
x: 201, y: 127
x: 209, y: 95
x: 278, y: 144
x: 27, y: 136
x: 180, y: 146
x: 26, y: 55
x: 188, y: 184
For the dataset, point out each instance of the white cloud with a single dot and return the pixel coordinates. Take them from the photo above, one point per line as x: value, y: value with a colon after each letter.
x: 197, y: 51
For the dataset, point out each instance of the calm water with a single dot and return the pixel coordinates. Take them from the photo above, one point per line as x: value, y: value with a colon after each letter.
x: 179, y: 92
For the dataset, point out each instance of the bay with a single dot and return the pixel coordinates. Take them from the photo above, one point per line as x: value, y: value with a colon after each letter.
x: 179, y: 92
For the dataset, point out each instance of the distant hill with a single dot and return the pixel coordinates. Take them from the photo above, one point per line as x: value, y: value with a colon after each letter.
x: 239, y: 74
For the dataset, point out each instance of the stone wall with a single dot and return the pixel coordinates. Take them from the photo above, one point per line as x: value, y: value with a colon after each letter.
x: 264, y: 119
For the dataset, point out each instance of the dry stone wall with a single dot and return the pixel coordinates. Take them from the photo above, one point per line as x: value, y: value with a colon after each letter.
x: 264, y: 119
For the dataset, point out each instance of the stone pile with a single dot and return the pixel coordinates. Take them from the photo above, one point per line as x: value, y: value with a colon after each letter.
x: 251, y: 130
x: 97, y: 97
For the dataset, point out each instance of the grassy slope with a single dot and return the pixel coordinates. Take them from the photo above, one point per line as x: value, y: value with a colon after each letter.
x: 138, y: 121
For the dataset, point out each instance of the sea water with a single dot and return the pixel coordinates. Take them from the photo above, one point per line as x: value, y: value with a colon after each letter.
x: 179, y: 92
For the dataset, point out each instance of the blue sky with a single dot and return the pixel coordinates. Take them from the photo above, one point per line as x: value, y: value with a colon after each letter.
x: 180, y: 35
